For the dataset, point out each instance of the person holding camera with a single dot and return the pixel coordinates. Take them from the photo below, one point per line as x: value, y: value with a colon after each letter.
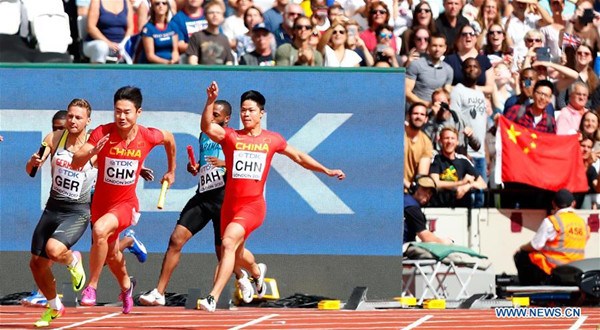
x: 442, y: 116
x: 384, y: 51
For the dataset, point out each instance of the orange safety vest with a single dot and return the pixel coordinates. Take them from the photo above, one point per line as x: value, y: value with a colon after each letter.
x: 569, y: 244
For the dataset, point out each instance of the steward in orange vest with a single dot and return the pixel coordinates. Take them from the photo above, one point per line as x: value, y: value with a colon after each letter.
x: 559, y: 240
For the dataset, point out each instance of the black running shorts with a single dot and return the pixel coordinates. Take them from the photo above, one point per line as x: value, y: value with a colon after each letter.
x: 201, y: 209
x: 66, y: 222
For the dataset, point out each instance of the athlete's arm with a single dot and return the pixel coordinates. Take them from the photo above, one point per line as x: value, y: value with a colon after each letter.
x: 87, y: 152
x: 309, y: 163
x: 169, y: 143
x: 35, y: 160
x: 214, y: 131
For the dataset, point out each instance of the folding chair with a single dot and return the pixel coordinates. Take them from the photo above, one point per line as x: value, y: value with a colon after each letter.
x: 431, y: 270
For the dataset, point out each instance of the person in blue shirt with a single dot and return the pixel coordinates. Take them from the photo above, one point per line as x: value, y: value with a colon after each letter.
x: 159, y: 39
x: 188, y: 21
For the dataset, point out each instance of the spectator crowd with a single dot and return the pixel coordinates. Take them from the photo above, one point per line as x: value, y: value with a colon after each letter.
x: 467, y: 62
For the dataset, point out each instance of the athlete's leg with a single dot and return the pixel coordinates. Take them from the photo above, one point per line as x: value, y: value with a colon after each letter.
x: 41, y: 269
x: 125, y: 242
x: 232, y: 240
x: 179, y: 237
x: 101, y: 231
x: 245, y: 259
x: 117, y: 265
x: 58, y: 252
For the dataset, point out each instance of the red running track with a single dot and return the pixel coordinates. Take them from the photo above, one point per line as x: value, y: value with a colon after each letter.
x: 18, y: 317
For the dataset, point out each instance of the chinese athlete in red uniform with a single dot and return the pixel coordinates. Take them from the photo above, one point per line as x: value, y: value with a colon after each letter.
x: 248, y: 153
x: 121, y: 147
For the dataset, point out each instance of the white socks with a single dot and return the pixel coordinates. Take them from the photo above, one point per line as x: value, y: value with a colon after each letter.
x: 55, y: 303
x: 74, y: 262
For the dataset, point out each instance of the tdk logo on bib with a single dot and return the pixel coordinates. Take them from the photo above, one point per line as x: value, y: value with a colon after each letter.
x: 120, y: 172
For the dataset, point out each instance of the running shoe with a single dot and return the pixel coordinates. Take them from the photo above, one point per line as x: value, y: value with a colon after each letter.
x: 88, y: 296
x: 127, y: 297
x: 245, y: 287
x: 138, y: 247
x: 77, y: 272
x: 48, y: 316
x: 35, y: 299
x: 152, y: 298
x: 261, y: 288
x: 207, y: 304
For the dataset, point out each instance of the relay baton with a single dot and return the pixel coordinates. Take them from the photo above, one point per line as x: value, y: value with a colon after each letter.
x: 40, y: 154
x: 163, y: 194
x: 191, y: 157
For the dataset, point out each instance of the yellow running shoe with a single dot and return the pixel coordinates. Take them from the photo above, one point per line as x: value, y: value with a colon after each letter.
x: 48, y: 316
x: 77, y: 273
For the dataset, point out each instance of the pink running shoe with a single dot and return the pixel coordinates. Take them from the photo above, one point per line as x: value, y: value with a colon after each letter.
x: 88, y: 296
x: 127, y: 297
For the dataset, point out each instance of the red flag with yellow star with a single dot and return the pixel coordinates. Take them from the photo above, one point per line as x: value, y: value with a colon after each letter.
x: 542, y: 160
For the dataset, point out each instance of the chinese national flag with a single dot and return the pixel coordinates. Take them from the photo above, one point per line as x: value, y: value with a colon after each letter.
x: 542, y: 160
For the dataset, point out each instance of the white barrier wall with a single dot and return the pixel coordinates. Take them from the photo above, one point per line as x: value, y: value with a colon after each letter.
x: 492, y: 232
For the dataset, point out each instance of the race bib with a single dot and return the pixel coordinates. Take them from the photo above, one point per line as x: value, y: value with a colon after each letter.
x: 68, y: 182
x: 120, y: 172
x: 248, y: 164
x: 210, y: 178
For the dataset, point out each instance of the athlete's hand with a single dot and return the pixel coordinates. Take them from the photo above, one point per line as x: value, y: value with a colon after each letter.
x: 214, y: 161
x: 147, y: 174
x: 212, y: 92
x: 193, y: 169
x: 340, y: 175
x: 169, y: 177
x: 100, y: 144
x: 36, y: 160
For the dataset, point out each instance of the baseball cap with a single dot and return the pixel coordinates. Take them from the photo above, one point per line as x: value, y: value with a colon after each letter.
x: 260, y: 26
x: 426, y: 182
x: 563, y: 198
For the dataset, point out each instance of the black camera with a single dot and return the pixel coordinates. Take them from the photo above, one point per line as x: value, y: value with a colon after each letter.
x: 444, y: 106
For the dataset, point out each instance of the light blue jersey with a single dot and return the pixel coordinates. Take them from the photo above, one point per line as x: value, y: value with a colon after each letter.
x: 210, y: 177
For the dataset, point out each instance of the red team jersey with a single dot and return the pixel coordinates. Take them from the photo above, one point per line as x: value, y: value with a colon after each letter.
x: 248, y: 160
x: 119, y: 168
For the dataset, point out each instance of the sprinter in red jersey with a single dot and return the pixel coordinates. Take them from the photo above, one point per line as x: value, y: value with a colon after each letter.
x: 248, y: 153
x: 121, y: 147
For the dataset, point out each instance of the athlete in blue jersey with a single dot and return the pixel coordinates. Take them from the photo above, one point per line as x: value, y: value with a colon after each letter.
x: 199, y: 210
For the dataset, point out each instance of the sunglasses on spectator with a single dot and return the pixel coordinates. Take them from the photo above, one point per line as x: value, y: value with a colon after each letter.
x: 294, y: 14
x: 341, y: 32
x: 468, y: 34
x: 499, y: 32
x: 421, y: 38
x: 533, y: 40
x: 302, y: 27
x: 423, y: 10
x: 159, y: 3
x: 584, y: 53
x: 378, y: 11
x: 385, y: 35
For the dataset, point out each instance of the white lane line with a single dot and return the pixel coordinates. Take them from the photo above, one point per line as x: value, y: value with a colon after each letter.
x: 579, y: 323
x: 90, y: 321
x: 253, y: 322
x: 418, y: 322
